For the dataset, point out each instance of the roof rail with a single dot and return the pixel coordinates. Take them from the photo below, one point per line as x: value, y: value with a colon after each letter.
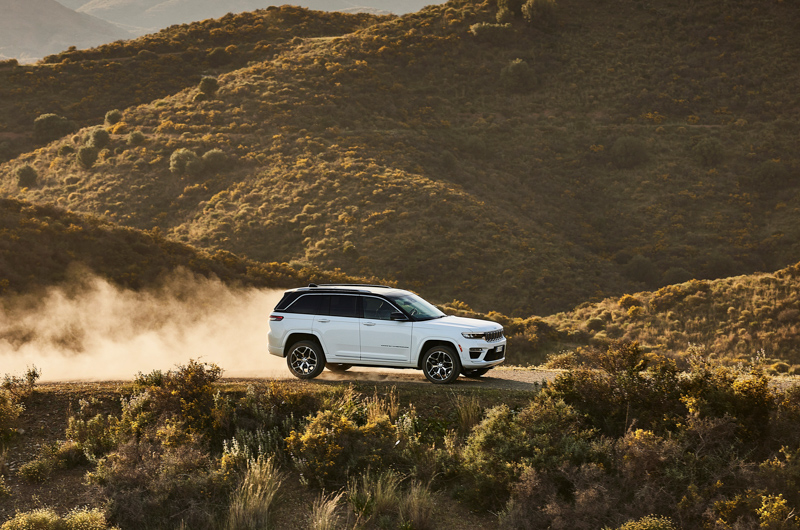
x: 348, y: 285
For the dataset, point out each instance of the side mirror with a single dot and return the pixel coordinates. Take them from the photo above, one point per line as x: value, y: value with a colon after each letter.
x: 397, y: 315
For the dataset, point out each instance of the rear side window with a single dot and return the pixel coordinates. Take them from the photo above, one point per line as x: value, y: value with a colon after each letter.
x: 344, y: 306
x: 308, y: 304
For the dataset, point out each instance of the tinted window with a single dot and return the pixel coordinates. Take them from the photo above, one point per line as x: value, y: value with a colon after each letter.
x: 344, y: 306
x: 377, y: 308
x: 306, y: 304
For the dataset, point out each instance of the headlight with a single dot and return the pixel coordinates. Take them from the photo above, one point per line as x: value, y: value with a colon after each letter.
x: 473, y: 335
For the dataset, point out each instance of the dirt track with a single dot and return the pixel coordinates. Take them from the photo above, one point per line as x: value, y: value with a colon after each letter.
x: 503, y: 377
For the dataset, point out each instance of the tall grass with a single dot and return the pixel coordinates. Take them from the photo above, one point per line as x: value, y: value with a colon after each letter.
x: 323, y: 512
x: 252, y: 503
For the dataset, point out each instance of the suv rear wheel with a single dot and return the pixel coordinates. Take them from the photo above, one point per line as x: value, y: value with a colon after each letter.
x: 441, y: 365
x: 305, y: 359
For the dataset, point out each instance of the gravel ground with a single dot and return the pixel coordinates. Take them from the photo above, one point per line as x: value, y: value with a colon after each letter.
x: 511, y: 378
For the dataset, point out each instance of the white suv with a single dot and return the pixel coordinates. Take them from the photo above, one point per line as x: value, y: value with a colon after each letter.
x: 339, y: 326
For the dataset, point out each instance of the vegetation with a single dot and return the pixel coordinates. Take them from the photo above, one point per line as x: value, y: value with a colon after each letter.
x: 560, y: 157
x: 623, y: 441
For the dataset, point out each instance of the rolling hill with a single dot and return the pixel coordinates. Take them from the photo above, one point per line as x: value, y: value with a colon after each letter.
x: 45, y: 246
x: 525, y: 166
x: 157, y: 14
x: 31, y: 29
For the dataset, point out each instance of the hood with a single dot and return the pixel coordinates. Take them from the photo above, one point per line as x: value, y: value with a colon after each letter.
x: 460, y: 323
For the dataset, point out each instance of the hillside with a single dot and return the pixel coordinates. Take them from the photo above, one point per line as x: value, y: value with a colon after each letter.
x: 523, y: 168
x: 733, y: 319
x: 83, y: 85
x: 43, y: 246
x: 157, y: 14
x: 31, y: 29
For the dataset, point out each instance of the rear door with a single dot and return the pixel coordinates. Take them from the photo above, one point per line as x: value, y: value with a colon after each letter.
x: 337, y: 326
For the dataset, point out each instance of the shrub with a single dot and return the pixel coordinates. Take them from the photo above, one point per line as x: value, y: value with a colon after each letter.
x: 332, y: 446
x: 512, y: 6
x: 26, y: 176
x: 543, y: 436
x: 218, y: 57
x: 49, y: 127
x: 517, y: 76
x: 627, y: 301
x: 650, y: 522
x: 10, y: 411
x: 595, y: 324
x: 113, y: 116
x: 136, y: 138
x: 65, y: 150
x: 498, y: 34
x: 629, y: 152
x: 87, y: 156
x: 208, y: 85
x: 215, y: 160
x: 184, y: 161
x: 539, y: 12
x: 708, y: 152
x: 99, y: 138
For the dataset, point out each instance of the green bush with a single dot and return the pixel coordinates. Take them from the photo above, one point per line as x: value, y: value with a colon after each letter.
x: 208, y: 85
x: 215, y: 160
x: 545, y: 435
x: 332, y: 446
x: 10, y: 410
x: 709, y: 152
x: 47, y: 519
x: 498, y: 34
x: 629, y: 152
x: 184, y: 161
x: 26, y: 176
x: 136, y: 138
x: 99, y: 138
x: 87, y: 156
x: 512, y: 6
x: 517, y: 76
x: 113, y: 116
x: 49, y: 127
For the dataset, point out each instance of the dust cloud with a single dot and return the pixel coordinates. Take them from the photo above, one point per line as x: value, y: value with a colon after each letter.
x: 91, y: 330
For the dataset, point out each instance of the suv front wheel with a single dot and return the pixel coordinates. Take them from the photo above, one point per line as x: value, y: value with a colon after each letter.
x: 305, y: 359
x: 441, y: 365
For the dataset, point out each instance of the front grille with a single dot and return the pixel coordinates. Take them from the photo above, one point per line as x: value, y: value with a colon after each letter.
x: 492, y: 336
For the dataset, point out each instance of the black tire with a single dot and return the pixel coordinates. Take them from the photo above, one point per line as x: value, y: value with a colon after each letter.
x: 305, y: 359
x: 336, y: 367
x: 441, y: 365
x: 474, y: 373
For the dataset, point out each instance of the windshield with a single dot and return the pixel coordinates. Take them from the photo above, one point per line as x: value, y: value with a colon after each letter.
x: 417, y: 307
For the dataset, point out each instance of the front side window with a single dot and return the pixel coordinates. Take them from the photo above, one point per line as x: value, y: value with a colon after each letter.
x: 377, y: 308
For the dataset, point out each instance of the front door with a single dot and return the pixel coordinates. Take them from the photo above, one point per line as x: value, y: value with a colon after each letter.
x: 383, y: 340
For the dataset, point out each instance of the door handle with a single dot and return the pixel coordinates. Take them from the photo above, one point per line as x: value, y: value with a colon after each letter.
x: 369, y: 323
x: 323, y: 320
